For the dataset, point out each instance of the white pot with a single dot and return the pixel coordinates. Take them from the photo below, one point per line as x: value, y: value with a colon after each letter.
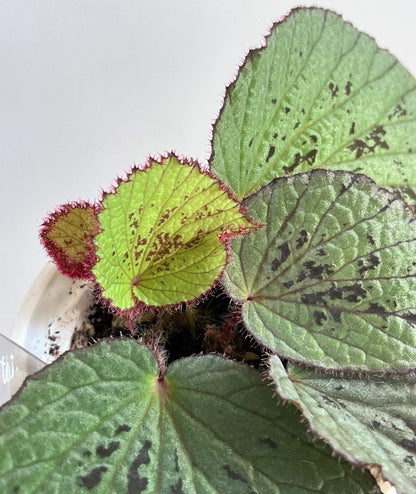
x: 53, y: 309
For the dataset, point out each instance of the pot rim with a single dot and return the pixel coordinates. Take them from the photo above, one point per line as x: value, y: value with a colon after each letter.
x: 53, y: 308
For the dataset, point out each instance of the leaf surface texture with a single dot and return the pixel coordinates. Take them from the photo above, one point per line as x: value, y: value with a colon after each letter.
x: 320, y: 94
x: 368, y: 420
x: 331, y: 280
x: 162, y: 235
x: 99, y: 420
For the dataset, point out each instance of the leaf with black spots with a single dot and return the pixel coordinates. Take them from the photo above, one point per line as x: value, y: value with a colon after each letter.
x: 163, y: 234
x: 105, y: 419
x: 407, y: 193
x: 331, y: 280
x: 318, y: 94
x: 367, y: 420
x: 67, y: 234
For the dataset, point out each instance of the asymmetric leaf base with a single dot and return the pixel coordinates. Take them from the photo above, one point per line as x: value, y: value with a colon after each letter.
x: 330, y: 281
x: 162, y: 235
x: 100, y: 420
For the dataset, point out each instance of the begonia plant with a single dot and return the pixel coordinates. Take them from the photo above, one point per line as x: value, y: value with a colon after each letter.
x: 304, y: 225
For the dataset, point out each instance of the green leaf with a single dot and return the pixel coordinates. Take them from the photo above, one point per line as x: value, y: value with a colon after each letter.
x: 163, y: 233
x: 320, y: 94
x: 101, y: 420
x: 368, y: 421
x: 331, y: 280
x: 67, y: 234
x: 407, y: 193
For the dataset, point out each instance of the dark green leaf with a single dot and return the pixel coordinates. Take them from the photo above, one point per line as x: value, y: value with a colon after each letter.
x: 331, y: 280
x: 370, y: 420
x: 99, y: 420
x: 320, y: 94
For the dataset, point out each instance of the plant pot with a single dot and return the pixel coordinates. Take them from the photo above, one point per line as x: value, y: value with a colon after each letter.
x: 53, y: 309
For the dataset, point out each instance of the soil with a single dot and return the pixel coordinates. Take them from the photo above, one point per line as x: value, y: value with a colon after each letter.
x: 213, y: 325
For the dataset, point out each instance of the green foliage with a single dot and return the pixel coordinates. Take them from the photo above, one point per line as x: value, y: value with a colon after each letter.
x: 105, y: 420
x: 162, y: 235
x: 321, y: 94
x: 331, y: 280
x: 328, y: 281
x: 406, y: 193
x: 367, y: 420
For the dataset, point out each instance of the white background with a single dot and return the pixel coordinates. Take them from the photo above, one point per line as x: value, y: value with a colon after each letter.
x: 90, y: 87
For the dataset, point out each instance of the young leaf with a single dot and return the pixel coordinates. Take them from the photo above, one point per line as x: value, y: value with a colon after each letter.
x: 162, y: 235
x: 331, y: 280
x: 368, y: 421
x: 101, y: 420
x: 67, y: 234
x: 319, y: 94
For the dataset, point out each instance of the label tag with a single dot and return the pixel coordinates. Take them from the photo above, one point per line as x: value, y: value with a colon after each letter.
x: 15, y: 364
